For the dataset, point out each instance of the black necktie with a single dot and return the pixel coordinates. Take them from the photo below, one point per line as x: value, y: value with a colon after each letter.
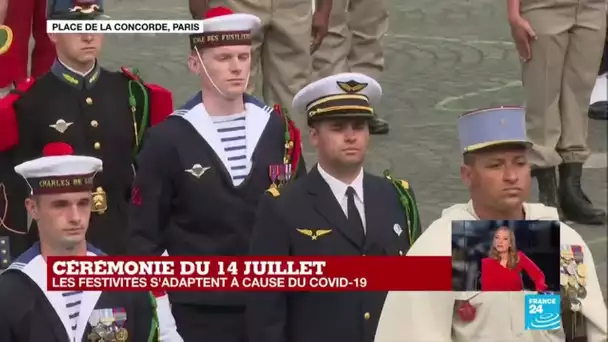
x: 354, y: 217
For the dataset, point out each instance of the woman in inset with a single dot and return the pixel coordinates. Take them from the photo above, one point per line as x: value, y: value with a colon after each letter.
x: 501, y: 271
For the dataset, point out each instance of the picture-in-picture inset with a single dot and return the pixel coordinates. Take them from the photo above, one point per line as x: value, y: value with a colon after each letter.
x: 500, y: 255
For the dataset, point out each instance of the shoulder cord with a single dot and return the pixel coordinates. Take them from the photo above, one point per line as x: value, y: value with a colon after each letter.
x: 139, y: 132
x: 289, y: 143
x: 154, y: 335
x: 3, y: 217
x: 409, y: 206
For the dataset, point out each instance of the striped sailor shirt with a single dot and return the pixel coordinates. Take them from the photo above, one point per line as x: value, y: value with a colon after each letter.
x: 231, y: 131
x: 73, y: 300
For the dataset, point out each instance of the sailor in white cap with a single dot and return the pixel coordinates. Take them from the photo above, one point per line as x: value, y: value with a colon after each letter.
x: 202, y: 171
x: 60, y: 201
x: 497, y: 173
x: 336, y: 209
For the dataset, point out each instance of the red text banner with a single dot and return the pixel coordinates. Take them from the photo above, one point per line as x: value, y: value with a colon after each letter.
x: 106, y: 273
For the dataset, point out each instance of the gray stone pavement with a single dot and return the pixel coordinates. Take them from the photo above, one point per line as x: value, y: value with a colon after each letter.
x: 443, y: 57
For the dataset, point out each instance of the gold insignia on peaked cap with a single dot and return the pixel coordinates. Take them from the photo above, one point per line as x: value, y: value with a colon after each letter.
x: 351, y: 86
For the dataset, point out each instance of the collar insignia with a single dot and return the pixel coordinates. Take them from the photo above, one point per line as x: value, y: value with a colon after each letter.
x: 61, y: 126
x: 197, y: 170
x: 351, y: 86
x: 314, y: 234
x: 70, y: 79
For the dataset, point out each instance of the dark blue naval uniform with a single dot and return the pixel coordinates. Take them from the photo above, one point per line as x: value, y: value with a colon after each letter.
x: 36, y: 314
x: 324, y: 316
x: 184, y: 202
x: 91, y: 113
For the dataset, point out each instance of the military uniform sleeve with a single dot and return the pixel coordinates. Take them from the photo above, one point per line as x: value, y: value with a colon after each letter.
x: 5, y: 321
x: 11, y: 297
x: 266, y: 311
x: 17, y: 146
x: 151, y: 196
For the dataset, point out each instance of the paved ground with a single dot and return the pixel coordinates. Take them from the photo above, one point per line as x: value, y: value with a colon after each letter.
x: 443, y: 57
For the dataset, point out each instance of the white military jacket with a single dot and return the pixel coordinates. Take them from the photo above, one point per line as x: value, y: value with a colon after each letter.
x: 431, y: 316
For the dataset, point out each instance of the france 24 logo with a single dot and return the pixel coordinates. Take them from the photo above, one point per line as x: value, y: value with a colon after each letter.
x: 542, y: 312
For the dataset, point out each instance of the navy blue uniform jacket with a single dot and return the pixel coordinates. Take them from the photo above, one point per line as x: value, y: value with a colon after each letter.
x: 323, y: 316
x: 188, y: 213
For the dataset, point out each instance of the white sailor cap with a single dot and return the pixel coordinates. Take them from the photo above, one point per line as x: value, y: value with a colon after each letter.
x: 58, y: 171
x: 341, y: 95
x: 490, y: 127
x: 223, y: 27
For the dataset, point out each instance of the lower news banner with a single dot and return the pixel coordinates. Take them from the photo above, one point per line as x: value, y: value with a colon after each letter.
x: 108, y: 273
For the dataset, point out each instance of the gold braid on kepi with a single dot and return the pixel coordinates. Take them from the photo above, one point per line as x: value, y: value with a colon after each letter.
x: 6, y: 38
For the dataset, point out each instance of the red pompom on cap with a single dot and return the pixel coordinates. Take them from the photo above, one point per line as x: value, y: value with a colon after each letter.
x: 57, y: 149
x: 218, y: 12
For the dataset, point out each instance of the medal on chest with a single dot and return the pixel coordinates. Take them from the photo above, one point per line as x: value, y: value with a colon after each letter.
x: 108, y: 325
x: 279, y: 174
x: 573, y: 279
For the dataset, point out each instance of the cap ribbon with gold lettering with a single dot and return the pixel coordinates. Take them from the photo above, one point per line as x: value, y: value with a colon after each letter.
x: 58, y: 171
x: 223, y: 27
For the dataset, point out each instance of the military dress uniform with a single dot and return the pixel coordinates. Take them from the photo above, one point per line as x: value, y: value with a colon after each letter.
x: 558, y: 81
x: 320, y: 215
x: 199, y: 181
x: 472, y: 316
x: 354, y: 44
x: 32, y: 313
x: 101, y: 114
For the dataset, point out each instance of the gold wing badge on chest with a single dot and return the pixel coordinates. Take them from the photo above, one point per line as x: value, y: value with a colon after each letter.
x: 197, y: 170
x: 314, y: 234
x: 61, y: 125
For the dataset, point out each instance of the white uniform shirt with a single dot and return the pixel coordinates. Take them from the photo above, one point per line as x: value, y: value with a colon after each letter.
x: 338, y: 188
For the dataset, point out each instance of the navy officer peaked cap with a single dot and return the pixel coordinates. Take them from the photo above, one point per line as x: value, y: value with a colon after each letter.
x: 75, y: 9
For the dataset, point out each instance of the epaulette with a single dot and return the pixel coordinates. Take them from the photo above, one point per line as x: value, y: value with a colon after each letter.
x: 274, y: 191
x: 6, y: 38
x: 9, y: 131
x: 159, y: 100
